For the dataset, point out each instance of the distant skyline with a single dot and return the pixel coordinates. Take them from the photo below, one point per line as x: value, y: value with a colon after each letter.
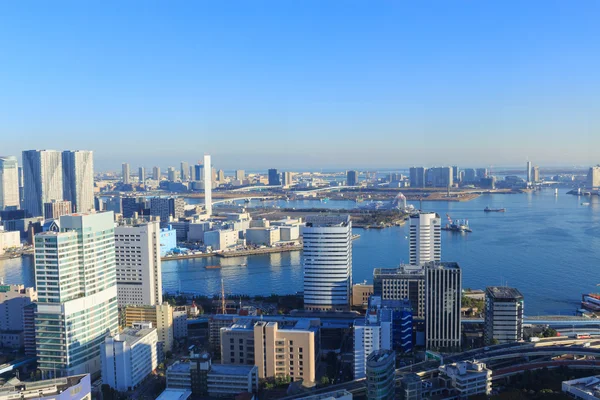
x: 304, y: 85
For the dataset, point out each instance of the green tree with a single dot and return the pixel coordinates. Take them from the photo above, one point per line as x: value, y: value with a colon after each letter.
x: 325, y: 380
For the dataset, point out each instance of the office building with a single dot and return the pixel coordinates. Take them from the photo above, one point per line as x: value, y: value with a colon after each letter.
x: 443, y: 288
x: 221, y: 176
x: 208, y: 180
x: 77, y: 387
x: 467, y: 378
x: 156, y: 173
x: 535, y: 174
x: 161, y: 317
x: 278, y: 348
x: 327, y: 261
x: 528, y: 172
x: 440, y: 177
x: 141, y: 175
x: 455, y: 174
x: 593, y: 177
x: 178, y: 376
x: 402, y: 321
x: 9, y: 239
x: 240, y: 175
x: 371, y: 333
x: 9, y: 183
x: 380, y: 374
x: 185, y: 169
x: 13, y: 301
x: 43, y: 180
x: 351, y: 178
x: 167, y: 208
x: 287, y: 179
x: 57, y: 208
x: 129, y: 357
x: 198, y: 172
x: 220, y: 380
x: 78, y: 179
x: 171, y: 174
x: 132, y: 206
x: 404, y: 282
x: 29, y: 329
x: 86, y: 296
x: 126, y: 173
x: 417, y: 177
x: 469, y: 176
x: 503, y: 315
x: 138, y: 263
x: 425, y: 241
x: 274, y: 178
x: 360, y: 294
x: 481, y: 173
x: 180, y: 316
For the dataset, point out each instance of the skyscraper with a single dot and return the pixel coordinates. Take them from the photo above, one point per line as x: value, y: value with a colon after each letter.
x: 593, y: 177
x: 198, y: 172
x: 417, y: 177
x: 156, y: 173
x: 9, y: 183
x: 404, y: 282
x: 425, y: 243
x: 221, y: 176
x: 78, y: 179
x: 139, y: 272
x: 288, y: 178
x: 43, y: 179
x: 439, y: 177
x: 207, y: 185
x: 171, y: 174
x: 351, y: 178
x: 126, y: 173
x: 371, y: 333
x: 443, y: 289
x: 535, y: 174
x: 141, y: 174
x: 528, y: 172
x: 240, y: 175
x: 327, y: 261
x: 166, y: 207
x: 274, y: 178
x: 184, y: 171
x: 73, y: 318
x: 503, y: 315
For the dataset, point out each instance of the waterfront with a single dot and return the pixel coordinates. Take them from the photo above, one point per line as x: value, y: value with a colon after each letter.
x: 546, y: 246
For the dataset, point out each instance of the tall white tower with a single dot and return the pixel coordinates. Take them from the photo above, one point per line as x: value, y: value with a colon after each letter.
x: 327, y: 261
x: 43, y: 180
x: 78, y: 179
x: 9, y: 182
x: 77, y: 293
x: 425, y: 238
x: 528, y: 173
x: 207, y: 185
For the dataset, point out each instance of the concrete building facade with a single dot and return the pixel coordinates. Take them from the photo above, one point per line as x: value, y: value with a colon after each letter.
x: 9, y: 183
x: 161, y: 317
x: 443, y: 290
x: 78, y: 179
x: 42, y: 179
x: 425, y: 240
x: 503, y: 315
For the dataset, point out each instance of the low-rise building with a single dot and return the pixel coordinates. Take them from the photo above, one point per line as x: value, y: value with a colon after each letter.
x: 178, y: 376
x: 175, y: 394
x: 220, y: 240
x: 587, y: 388
x: 336, y: 395
x: 468, y: 378
x: 180, y: 316
x: 161, y: 317
x: 75, y: 387
x: 130, y: 356
x: 197, y: 230
x: 263, y: 236
x: 13, y: 300
x: 168, y: 240
x: 360, y: 294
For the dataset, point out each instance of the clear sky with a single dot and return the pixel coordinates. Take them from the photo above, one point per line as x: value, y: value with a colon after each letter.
x: 303, y: 84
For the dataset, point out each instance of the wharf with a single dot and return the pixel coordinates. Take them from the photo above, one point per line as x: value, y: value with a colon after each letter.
x: 267, y: 250
x: 186, y: 256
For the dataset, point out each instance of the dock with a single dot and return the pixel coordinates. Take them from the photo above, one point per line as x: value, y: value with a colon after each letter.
x: 267, y: 250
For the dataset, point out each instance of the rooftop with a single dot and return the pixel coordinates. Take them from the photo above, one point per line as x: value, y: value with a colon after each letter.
x: 402, y: 269
x: 175, y: 394
x: 59, y: 385
x: 228, y: 369
x: 380, y: 356
x: 132, y: 335
x: 504, y: 292
x: 327, y: 220
x: 179, y: 367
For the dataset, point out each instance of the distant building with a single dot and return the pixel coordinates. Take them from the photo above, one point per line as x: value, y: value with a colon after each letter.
x: 593, y: 177
x: 288, y: 179
x: 535, y: 174
x: 455, y: 174
x: 9, y: 183
x: 351, y: 178
x: 371, y: 333
x: 443, y: 288
x: 161, y: 317
x: 171, y: 174
x: 274, y: 179
x: 208, y: 182
x: 43, y: 179
x: 468, y: 378
x: 221, y: 176
x: 503, y: 315
x: 380, y: 374
x: 156, y: 173
x: 184, y: 171
x: 9, y: 240
x: 138, y: 263
x: 425, y: 240
x: 481, y: 173
x: 126, y: 173
x: 528, y: 173
x: 240, y: 175
x: 78, y: 179
x: 141, y: 175
x: 167, y: 208
x: 327, y: 264
x: 75, y: 387
x: 417, y: 177
x: 440, y: 177
x: 470, y: 176
x: 129, y: 357
x: 168, y: 240
x: 57, y: 208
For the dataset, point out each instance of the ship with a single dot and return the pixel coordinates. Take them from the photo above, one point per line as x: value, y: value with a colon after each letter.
x: 487, y: 209
x: 457, y: 225
x: 591, y: 301
x: 212, y: 267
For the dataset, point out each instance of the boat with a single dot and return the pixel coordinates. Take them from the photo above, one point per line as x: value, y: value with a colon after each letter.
x: 212, y: 267
x: 585, y: 203
x: 243, y: 265
x: 487, y: 209
x: 458, y: 225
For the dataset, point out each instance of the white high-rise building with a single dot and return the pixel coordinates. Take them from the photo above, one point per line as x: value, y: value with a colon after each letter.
x: 78, y: 179
x: 528, y: 173
x: 372, y: 333
x: 43, y: 180
x: 425, y: 242
x: 126, y: 173
x: 327, y: 261
x: 9, y: 183
x: 139, y: 272
x: 75, y: 276
x: 207, y: 185
x: 443, y: 290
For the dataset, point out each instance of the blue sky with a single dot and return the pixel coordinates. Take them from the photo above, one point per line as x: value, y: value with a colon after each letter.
x: 303, y: 84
